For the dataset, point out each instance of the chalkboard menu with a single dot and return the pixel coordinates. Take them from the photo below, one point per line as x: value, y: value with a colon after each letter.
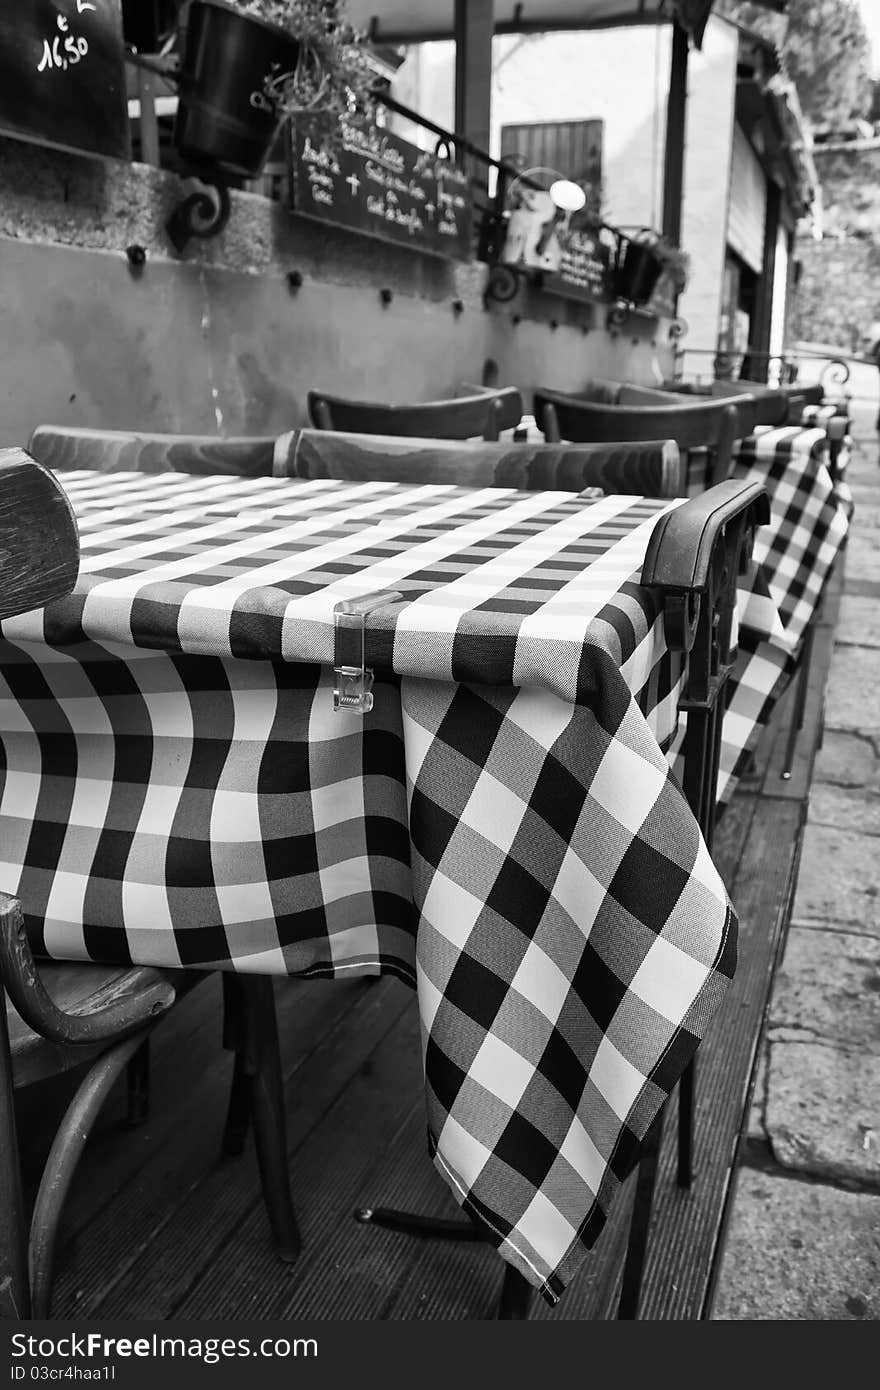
x: 583, y: 270
x: 373, y: 181
x: 62, y: 74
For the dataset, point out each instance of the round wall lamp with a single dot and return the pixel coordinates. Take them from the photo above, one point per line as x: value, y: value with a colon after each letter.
x: 568, y: 196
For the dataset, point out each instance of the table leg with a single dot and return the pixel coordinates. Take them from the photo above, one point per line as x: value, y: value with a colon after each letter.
x: 800, y: 700
x: 637, y: 1245
x: 516, y: 1294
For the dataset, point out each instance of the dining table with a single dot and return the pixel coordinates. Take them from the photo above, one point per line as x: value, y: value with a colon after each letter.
x: 326, y: 729
x: 810, y: 511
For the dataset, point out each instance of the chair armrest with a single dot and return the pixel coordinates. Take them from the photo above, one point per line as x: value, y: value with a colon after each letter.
x: 694, y: 558
x: 111, y: 1013
x: 679, y: 553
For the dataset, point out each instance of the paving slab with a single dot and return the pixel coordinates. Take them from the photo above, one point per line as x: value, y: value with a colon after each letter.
x: 862, y: 552
x: 852, y: 694
x: 838, y: 880
x: 828, y: 989
x: 847, y: 808
x: 858, y: 622
x: 867, y: 515
x: 822, y: 1111
x: 799, y: 1251
x: 847, y: 759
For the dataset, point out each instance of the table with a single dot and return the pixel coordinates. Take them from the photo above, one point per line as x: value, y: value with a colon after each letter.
x: 794, y: 556
x: 502, y: 830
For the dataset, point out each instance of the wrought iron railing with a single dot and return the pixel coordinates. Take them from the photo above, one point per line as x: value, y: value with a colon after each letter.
x: 783, y: 368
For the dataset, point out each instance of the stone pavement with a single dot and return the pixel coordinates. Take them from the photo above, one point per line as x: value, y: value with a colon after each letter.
x: 804, y: 1235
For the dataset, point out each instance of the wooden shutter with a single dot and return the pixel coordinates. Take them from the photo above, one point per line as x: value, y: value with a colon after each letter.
x: 748, y: 203
x: 572, y: 148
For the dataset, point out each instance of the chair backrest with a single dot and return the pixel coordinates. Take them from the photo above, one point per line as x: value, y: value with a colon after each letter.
x: 39, y: 541
x: 510, y: 402
x: 624, y: 393
x: 467, y: 417
x: 704, y: 424
x: 114, y: 451
x: 775, y: 405
x: 600, y: 390
x: 649, y: 468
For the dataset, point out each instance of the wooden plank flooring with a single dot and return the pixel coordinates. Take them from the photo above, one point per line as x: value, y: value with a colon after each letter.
x: 160, y: 1225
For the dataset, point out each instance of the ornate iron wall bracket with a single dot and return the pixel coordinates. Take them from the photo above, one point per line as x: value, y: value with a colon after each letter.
x: 199, y: 214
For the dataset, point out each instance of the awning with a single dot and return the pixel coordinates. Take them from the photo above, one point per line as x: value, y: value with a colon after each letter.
x: 411, y: 21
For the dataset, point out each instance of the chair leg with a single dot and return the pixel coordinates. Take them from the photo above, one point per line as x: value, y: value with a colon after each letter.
x: 137, y: 1079
x: 258, y: 1070
x: 238, y: 1112
x: 516, y: 1294
x: 637, y: 1245
x: 14, y: 1286
x: 67, y: 1146
x: 800, y: 702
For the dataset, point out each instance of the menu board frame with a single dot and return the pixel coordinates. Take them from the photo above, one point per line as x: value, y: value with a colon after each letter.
x: 62, y: 75
x: 412, y: 197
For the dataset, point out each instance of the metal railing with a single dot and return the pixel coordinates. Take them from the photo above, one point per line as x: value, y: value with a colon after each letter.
x: 768, y: 367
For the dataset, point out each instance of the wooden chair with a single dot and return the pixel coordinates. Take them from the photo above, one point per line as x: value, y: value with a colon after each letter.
x: 705, y: 425
x: 468, y: 417
x: 113, y: 451
x: 650, y: 469
x: 51, y: 1021
x: 58, y: 1016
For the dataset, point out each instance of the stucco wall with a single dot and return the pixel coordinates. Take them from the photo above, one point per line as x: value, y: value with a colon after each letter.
x: 709, y: 141
x: 217, y: 341
x: 619, y: 76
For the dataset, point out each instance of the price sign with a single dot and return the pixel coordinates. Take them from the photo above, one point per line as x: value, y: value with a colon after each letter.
x: 62, y: 74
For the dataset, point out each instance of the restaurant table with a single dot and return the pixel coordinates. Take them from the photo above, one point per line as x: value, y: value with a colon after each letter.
x: 809, y: 518
x: 502, y: 829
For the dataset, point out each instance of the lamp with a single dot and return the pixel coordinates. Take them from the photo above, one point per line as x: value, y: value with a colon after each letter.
x: 568, y: 196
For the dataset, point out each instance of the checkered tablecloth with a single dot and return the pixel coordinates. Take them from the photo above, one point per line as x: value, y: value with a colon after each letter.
x: 794, y: 556
x: 502, y: 829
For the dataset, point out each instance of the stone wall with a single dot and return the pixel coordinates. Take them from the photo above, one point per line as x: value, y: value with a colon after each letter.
x: 838, y: 295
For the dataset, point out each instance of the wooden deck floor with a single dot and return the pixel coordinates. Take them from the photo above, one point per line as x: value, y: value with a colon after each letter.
x: 160, y: 1226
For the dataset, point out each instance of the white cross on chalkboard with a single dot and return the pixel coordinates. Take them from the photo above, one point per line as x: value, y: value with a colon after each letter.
x: 354, y: 183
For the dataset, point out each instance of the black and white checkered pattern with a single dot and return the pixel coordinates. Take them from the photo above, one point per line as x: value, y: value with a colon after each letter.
x: 793, y: 556
x: 502, y: 828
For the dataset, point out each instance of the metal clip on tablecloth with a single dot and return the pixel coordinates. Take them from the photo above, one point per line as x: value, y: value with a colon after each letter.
x: 353, y: 682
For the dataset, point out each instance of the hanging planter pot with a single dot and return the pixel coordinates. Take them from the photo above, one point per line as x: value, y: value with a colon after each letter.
x: 225, y: 119
x: 638, y: 270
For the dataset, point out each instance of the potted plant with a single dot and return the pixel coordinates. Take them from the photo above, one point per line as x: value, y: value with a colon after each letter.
x: 249, y: 64
x: 674, y: 261
x: 641, y: 260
